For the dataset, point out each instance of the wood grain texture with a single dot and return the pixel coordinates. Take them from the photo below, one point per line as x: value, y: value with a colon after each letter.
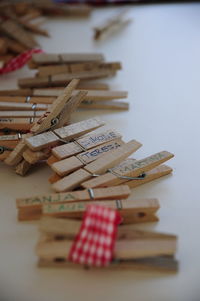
x: 87, y: 142
x: 132, y: 211
x: 161, y: 264
x: 16, y: 155
x: 55, y: 109
x: 33, y: 157
x: 71, y: 181
x: 22, y: 168
x: 65, y: 166
x: 118, y: 192
x: 77, y: 67
x: 129, y: 169
x: 100, y: 165
x: 74, y: 130
x: 47, y: 58
x: 62, y: 79
x: 6, y: 106
x: 113, y: 158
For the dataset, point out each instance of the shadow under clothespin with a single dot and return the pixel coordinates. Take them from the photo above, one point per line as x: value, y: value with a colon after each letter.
x: 111, y: 26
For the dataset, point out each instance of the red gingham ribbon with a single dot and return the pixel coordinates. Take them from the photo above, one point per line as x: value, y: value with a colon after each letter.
x: 19, y: 61
x: 94, y: 243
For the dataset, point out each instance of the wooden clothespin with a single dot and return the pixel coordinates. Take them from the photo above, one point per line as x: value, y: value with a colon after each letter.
x: 31, y: 208
x: 75, y: 162
x: 28, y: 101
x: 99, y: 166
x: 14, y: 46
x: 62, y: 79
x: 48, y: 70
x: 15, y: 31
x: 8, y: 125
x: 8, y: 143
x: 67, y: 58
x: 93, y: 139
x: 49, y: 8
x: 110, y: 26
x: 50, y: 92
x: 17, y: 106
x: 68, y: 165
x: 3, y: 46
x: 132, y: 211
x: 129, y: 170
x: 134, y: 249
x: 52, y: 118
x: 21, y: 114
x: 63, y: 134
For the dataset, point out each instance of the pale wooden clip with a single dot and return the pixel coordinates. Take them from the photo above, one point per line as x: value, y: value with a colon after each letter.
x: 47, y: 121
x: 132, y: 211
x: 31, y: 208
x: 51, y: 58
x: 63, y: 134
x: 133, y: 248
x: 110, y: 26
x: 127, y: 170
x: 99, y: 166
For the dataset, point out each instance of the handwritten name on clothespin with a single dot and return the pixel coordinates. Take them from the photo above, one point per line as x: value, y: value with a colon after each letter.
x: 65, y: 166
x: 96, y: 167
x: 31, y: 208
x: 128, y: 170
x: 84, y: 143
x: 132, y: 211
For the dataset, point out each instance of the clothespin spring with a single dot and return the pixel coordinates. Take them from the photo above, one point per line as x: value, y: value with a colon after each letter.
x: 91, y: 193
x: 4, y: 148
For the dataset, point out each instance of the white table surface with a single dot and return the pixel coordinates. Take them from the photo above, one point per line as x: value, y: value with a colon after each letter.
x: 161, y: 70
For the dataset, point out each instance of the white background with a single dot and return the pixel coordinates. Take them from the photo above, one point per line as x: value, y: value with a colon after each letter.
x: 161, y: 70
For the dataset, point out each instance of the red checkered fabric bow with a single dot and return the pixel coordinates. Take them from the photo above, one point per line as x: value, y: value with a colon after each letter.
x: 19, y: 61
x: 94, y: 243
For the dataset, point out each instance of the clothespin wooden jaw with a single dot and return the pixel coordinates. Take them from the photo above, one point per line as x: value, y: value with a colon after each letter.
x: 48, y: 120
x: 135, y: 249
x: 31, y: 208
x: 110, y: 26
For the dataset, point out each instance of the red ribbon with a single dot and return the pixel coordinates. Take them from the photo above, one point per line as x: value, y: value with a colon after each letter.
x: 95, y: 241
x: 19, y: 61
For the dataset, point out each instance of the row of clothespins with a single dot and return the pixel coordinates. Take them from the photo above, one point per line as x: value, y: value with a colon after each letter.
x: 20, y: 108
x: 19, y: 20
x: 91, y: 166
